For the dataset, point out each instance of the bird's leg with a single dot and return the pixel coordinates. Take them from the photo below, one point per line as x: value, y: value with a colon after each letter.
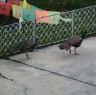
x: 70, y: 51
x: 27, y: 55
x: 76, y: 52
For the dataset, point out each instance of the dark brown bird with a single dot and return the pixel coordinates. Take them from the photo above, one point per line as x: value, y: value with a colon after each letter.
x: 24, y: 46
x: 74, y: 41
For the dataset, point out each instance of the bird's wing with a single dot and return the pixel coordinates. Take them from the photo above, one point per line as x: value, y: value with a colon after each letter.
x: 74, y: 39
x: 64, y: 45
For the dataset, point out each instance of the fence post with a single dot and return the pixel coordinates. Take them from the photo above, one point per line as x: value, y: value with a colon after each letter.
x: 73, y: 22
x: 34, y: 34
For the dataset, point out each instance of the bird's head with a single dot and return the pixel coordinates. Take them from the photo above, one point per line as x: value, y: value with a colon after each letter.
x: 83, y: 34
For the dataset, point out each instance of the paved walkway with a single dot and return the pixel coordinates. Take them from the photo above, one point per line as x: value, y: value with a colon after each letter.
x: 51, y: 71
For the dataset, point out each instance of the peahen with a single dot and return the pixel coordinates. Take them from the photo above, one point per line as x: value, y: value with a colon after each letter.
x: 25, y: 46
x: 74, y: 41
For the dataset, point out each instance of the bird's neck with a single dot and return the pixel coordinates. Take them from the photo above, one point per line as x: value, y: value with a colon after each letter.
x: 83, y: 36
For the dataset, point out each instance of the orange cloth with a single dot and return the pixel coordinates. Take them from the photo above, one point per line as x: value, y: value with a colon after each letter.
x: 41, y: 16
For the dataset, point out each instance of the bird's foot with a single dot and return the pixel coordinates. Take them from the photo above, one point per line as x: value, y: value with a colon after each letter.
x: 69, y: 52
x: 76, y: 53
x: 28, y: 58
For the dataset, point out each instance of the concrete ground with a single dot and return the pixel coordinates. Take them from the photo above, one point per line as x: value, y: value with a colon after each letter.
x: 51, y: 71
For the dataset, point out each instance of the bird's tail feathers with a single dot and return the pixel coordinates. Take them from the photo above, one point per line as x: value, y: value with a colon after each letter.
x: 64, y: 45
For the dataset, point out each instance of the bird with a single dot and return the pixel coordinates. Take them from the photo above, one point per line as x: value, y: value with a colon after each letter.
x: 74, y: 41
x: 25, y: 46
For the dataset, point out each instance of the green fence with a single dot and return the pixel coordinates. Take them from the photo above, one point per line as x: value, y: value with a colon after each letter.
x: 82, y: 19
x: 11, y: 35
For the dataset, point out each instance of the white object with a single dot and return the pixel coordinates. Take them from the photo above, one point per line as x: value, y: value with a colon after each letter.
x: 66, y: 20
x: 20, y: 21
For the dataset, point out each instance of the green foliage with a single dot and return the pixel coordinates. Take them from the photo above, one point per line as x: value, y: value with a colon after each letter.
x: 61, y: 5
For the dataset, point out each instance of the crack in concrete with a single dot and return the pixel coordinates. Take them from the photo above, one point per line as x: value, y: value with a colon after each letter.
x: 25, y: 88
x: 4, y: 77
x: 52, y: 72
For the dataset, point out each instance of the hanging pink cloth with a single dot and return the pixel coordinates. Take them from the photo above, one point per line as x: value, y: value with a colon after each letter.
x: 5, y: 9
